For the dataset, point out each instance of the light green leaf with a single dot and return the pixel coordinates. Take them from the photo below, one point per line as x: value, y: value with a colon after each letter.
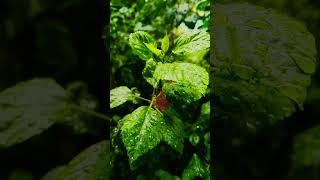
x: 184, y: 82
x: 91, y: 164
x: 195, y: 168
x: 153, y: 49
x: 191, y: 42
x: 148, y: 72
x: 165, y: 44
x: 122, y: 94
x: 29, y: 108
x: 138, y: 41
x: 145, y: 128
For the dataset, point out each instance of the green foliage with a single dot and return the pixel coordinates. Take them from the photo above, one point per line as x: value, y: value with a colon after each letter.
x: 254, y: 69
x: 164, y: 45
x: 192, y: 41
x: 31, y: 107
x: 145, y: 128
x: 184, y: 82
x: 122, y: 94
x: 25, y: 115
x: 305, y: 155
x: 196, y: 168
x: 148, y: 71
x: 143, y: 44
x: 91, y: 164
x: 164, y: 175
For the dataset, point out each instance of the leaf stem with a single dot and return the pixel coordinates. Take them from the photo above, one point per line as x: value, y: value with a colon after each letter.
x: 154, y: 90
x: 91, y: 112
x: 143, y: 99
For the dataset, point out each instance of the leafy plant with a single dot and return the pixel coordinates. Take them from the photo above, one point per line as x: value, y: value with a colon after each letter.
x: 175, y: 83
x: 265, y: 72
x: 32, y: 107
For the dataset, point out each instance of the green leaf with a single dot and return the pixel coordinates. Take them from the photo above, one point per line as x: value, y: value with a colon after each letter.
x: 138, y: 41
x: 122, y: 94
x: 164, y: 175
x: 165, y: 44
x: 191, y: 42
x: 30, y: 108
x: 194, y: 139
x: 145, y: 128
x: 153, y: 49
x: 264, y: 61
x: 53, y: 174
x: 306, y: 155
x: 91, y: 164
x: 195, y: 168
x: 207, y: 145
x: 148, y: 72
x: 183, y: 82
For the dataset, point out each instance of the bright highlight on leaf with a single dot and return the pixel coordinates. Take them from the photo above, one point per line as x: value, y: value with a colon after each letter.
x: 145, y: 128
x: 184, y: 82
x: 122, y: 94
x: 165, y: 44
x: 192, y: 41
x: 139, y: 41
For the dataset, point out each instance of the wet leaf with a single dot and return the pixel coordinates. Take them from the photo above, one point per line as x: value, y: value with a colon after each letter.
x: 145, y: 128
x: 122, y: 94
x: 195, y: 168
x: 29, y: 108
x: 183, y: 82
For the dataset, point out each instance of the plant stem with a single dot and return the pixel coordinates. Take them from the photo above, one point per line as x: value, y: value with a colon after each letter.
x: 154, y: 89
x: 143, y: 99
x: 91, y: 112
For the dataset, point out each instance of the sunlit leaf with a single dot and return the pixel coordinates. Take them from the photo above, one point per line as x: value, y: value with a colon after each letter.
x: 138, y: 41
x: 122, y: 94
x: 145, y: 128
x: 191, y: 42
x: 184, y: 82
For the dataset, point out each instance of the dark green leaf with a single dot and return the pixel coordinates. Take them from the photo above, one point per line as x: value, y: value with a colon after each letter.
x: 264, y: 61
x: 164, y: 175
x: 30, y: 108
x: 91, y: 164
x: 53, y: 174
x: 195, y: 168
